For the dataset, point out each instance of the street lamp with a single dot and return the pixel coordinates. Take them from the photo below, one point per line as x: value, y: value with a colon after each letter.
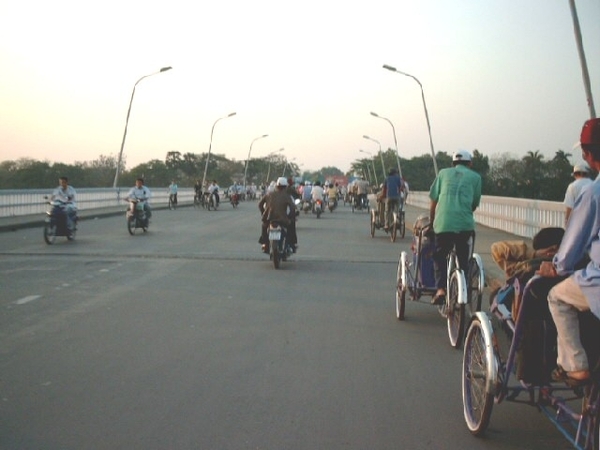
x: 210, y: 146
x: 248, y: 160
x: 116, y: 180
x: 374, y: 172
x: 269, y: 167
x: 393, y: 69
x: 380, y: 153
x: 395, y: 140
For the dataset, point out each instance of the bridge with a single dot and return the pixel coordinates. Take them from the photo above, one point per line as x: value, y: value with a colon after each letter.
x: 186, y: 337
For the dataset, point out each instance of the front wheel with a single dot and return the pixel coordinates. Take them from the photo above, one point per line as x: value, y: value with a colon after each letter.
x: 49, y: 233
x: 475, y: 281
x: 479, y: 365
x: 171, y: 204
x: 131, y: 225
x: 455, y: 311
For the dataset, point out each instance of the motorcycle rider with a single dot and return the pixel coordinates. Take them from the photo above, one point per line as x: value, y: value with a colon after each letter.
x: 362, y: 188
x: 332, y: 193
x: 66, y: 194
x: 213, y: 189
x: 317, y: 193
x: 141, y: 192
x: 278, y: 206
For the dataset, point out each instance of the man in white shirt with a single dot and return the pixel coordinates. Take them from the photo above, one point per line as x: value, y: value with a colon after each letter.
x: 66, y: 194
x: 581, y: 173
x: 141, y: 192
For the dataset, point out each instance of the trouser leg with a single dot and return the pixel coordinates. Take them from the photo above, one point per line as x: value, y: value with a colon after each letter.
x: 564, y: 300
x: 443, y: 245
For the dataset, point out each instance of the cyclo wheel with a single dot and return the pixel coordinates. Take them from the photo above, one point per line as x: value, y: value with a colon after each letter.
x: 400, y: 287
x: 455, y: 311
x: 275, y: 253
x: 402, y: 224
x: 49, y: 233
x: 474, y: 284
x: 372, y: 223
x: 479, y: 364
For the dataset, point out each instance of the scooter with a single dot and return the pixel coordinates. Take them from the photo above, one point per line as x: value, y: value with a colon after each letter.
x: 318, y: 208
x: 136, y: 216
x: 56, y: 222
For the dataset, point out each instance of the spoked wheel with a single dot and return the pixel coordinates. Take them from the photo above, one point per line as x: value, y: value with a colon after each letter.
x: 478, y: 366
x: 275, y: 253
x: 400, y: 287
x: 455, y: 311
x: 171, y: 204
x: 372, y: 223
x: 394, y: 231
x: 402, y: 225
x: 475, y: 284
x: 131, y: 225
x: 49, y: 233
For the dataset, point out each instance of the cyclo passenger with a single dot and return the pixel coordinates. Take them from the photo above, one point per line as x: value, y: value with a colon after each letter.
x: 580, y: 291
x: 454, y: 195
x: 278, y: 206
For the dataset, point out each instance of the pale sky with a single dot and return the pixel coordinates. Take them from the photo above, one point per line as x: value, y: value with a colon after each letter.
x: 502, y: 76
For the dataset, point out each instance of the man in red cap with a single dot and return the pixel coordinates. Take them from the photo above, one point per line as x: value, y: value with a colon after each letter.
x: 581, y: 290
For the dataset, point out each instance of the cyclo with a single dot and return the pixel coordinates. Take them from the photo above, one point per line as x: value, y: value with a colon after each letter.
x: 415, y: 276
x: 488, y: 366
x: 378, y: 220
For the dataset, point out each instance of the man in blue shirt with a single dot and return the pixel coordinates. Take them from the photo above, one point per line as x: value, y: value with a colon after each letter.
x: 581, y: 290
x: 393, y: 190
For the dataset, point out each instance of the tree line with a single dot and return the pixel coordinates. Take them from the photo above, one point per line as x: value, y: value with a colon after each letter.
x: 531, y: 176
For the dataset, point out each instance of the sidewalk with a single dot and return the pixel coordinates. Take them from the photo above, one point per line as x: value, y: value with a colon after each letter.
x: 485, y: 236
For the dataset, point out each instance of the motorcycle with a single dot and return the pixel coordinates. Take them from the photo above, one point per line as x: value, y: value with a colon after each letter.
x: 331, y: 204
x: 137, y: 216
x: 318, y: 208
x: 306, y: 206
x: 235, y: 199
x: 56, y: 222
x: 279, y: 249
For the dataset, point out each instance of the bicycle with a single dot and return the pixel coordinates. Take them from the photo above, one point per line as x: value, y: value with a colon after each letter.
x: 463, y: 292
x: 172, y: 201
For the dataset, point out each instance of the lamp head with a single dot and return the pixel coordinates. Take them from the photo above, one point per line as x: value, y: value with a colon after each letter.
x: 393, y: 69
x: 164, y: 69
x: 374, y: 114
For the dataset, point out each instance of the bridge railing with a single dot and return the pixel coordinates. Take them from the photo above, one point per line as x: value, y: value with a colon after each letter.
x: 520, y: 216
x: 21, y: 202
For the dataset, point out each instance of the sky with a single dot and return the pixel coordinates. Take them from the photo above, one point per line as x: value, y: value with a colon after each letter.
x: 500, y: 76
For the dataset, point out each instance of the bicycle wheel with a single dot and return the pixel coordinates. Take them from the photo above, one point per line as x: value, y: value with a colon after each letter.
x: 479, y: 364
x: 171, y: 205
x: 49, y: 233
x: 401, y: 286
x: 394, y: 231
x: 131, y: 225
x: 475, y: 282
x: 455, y: 311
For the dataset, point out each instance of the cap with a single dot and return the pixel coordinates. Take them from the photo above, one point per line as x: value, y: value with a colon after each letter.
x: 590, y: 133
x: 581, y: 168
x: 282, y: 181
x: 461, y: 155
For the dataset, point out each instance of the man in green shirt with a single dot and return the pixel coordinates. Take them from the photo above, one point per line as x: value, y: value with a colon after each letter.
x: 454, y: 195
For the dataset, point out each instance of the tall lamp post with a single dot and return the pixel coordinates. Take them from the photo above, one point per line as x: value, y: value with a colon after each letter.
x: 380, y: 153
x: 582, y: 61
x: 393, y: 69
x: 210, y: 146
x: 116, y: 180
x: 374, y: 172
x: 395, y: 140
x: 248, y: 160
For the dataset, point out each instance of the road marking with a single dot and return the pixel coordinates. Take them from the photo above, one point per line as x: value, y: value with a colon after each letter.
x: 27, y: 299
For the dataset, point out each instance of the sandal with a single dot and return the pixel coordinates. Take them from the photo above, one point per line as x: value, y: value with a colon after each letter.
x: 559, y: 374
x: 439, y: 299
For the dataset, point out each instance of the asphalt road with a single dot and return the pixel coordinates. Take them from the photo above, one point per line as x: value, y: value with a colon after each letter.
x: 186, y: 337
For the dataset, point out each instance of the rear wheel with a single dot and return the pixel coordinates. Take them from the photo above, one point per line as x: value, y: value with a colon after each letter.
x: 171, y: 204
x: 49, y: 233
x: 455, y: 311
x: 372, y: 223
x: 275, y: 254
x: 131, y: 225
x: 474, y: 284
x: 400, y: 288
x: 477, y: 366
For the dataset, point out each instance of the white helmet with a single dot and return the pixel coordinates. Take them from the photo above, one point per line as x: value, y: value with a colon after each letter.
x: 282, y: 181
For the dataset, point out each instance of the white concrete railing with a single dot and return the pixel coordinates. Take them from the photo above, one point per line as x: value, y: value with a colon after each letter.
x: 21, y: 202
x: 520, y: 216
